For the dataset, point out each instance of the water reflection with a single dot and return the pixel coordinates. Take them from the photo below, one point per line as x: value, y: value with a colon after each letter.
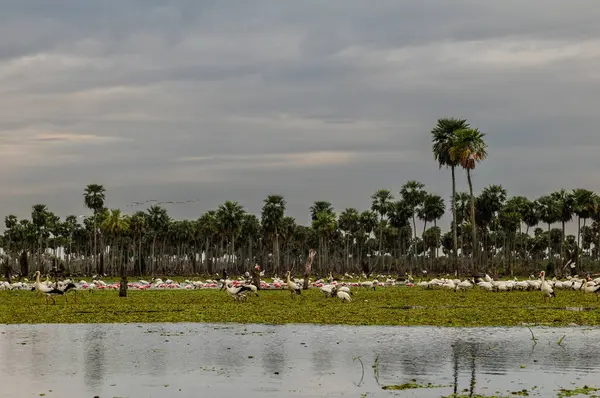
x: 93, y: 362
x: 279, y: 361
x: 274, y: 352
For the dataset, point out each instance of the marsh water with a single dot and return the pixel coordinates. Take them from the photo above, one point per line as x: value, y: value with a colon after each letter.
x: 191, y: 360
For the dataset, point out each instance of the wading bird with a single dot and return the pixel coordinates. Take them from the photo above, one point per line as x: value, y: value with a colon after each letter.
x: 292, y: 286
x: 50, y: 292
x: 546, y: 289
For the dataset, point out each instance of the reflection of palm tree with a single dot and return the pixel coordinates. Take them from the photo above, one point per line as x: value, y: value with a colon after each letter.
x: 94, y: 361
x: 455, y: 369
x: 274, y: 356
x: 473, y: 371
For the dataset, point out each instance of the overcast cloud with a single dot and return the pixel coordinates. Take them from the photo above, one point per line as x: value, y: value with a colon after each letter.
x: 316, y: 100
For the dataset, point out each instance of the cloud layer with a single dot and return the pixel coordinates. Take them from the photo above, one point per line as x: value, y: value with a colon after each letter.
x: 233, y: 100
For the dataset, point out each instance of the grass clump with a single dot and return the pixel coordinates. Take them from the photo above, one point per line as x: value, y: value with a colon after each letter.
x: 387, y: 306
x: 585, y: 390
x: 409, y: 386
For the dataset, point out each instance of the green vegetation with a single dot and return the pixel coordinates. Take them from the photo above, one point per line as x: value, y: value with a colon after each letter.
x: 585, y: 390
x: 386, y: 306
x: 410, y: 386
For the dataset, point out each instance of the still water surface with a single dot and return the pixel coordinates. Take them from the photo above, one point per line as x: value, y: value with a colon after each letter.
x: 191, y: 360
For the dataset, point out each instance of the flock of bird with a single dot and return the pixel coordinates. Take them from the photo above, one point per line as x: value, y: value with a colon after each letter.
x: 341, y: 288
x: 587, y: 285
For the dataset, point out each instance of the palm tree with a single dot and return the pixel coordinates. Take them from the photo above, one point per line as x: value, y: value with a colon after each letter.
x: 564, y: 201
x: 69, y: 227
x: 117, y: 225
x: 42, y: 220
x: 251, y: 230
x: 413, y: 195
x: 381, y: 202
x: 138, y: 226
x: 433, y: 209
x: 549, y: 213
x: 583, y: 207
x: 367, y: 220
x: 443, y: 137
x: 531, y: 217
x: 325, y: 225
x: 11, y: 233
x: 468, y: 149
x: 207, y: 227
x: 272, y: 215
x: 93, y: 198
x: 230, y: 216
x: 399, y: 217
x: 158, y: 220
x: 320, y: 206
x: 348, y: 223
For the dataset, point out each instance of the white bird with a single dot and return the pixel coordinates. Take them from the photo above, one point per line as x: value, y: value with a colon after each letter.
x: 292, y: 286
x: 370, y: 284
x: 50, y: 292
x: 327, y: 290
x: 546, y: 289
x: 237, y: 293
x: 252, y: 288
x: 343, y: 296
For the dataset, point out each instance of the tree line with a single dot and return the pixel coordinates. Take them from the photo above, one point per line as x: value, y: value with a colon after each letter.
x: 489, y: 232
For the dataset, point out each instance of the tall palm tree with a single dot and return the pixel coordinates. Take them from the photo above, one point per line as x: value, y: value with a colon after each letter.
x: 583, y: 207
x: 325, y: 225
x: 251, y: 230
x: 117, y: 225
x: 367, y: 221
x: 348, y: 223
x: 69, y: 227
x: 443, y: 137
x: 468, y: 149
x: 138, y: 226
x: 399, y: 217
x: 531, y: 217
x: 158, y: 220
x: 381, y: 202
x: 564, y: 201
x: 433, y: 209
x: 230, y: 216
x: 413, y: 195
x: 94, y: 196
x: 273, y: 211
x: 320, y: 206
x: 549, y: 213
x: 207, y: 227
x: 40, y: 219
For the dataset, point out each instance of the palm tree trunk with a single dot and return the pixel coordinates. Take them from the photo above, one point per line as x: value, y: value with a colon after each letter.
x: 380, y: 238
x: 549, y: 244
x: 347, y: 253
x: 562, y: 244
x: 578, y: 240
x: 474, y: 227
x: 207, y: 257
x: 153, y: 257
x: 123, y: 283
x: 454, y: 229
x: 414, y: 225
x: 95, y: 246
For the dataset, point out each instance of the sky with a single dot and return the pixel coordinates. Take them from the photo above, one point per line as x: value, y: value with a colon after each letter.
x: 233, y: 100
